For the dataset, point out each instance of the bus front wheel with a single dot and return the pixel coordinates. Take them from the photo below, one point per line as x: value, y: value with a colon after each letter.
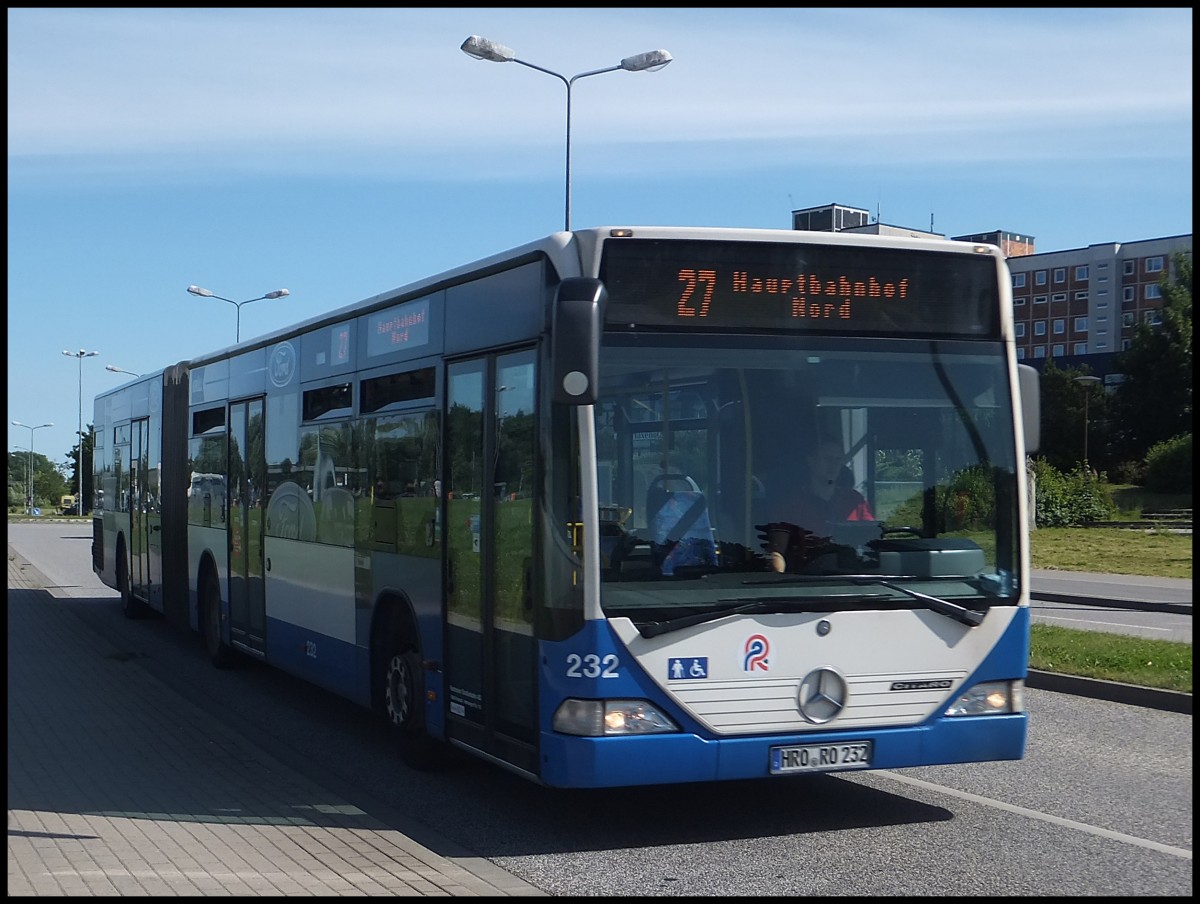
x: 131, y: 606
x: 404, y: 706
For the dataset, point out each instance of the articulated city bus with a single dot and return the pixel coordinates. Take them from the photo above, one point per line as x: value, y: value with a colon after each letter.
x: 563, y: 507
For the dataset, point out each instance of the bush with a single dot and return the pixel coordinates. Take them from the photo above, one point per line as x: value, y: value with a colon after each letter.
x: 1169, y: 465
x: 1128, y: 472
x: 1065, y: 500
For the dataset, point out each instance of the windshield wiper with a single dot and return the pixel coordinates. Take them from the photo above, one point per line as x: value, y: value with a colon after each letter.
x: 757, y: 604
x: 968, y: 617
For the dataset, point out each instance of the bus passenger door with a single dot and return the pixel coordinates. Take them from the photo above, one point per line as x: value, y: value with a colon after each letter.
x: 247, y: 479
x: 143, y: 528
x: 491, y: 651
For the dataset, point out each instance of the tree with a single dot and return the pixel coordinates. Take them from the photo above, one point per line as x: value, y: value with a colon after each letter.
x: 73, y: 466
x: 1154, y: 403
x: 48, y: 483
x: 1068, y: 408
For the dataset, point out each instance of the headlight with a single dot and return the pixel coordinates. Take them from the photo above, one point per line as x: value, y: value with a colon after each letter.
x: 598, y: 718
x: 990, y: 698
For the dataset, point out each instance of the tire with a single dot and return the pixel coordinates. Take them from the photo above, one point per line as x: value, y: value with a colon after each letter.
x: 404, y: 708
x: 131, y: 607
x: 220, y: 653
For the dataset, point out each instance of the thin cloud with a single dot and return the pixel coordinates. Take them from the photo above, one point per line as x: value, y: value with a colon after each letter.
x: 191, y: 91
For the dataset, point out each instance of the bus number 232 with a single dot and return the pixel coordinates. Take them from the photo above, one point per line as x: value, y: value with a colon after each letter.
x: 592, y: 665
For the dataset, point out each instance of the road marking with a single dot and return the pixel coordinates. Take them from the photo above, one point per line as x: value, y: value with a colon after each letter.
x: 1092, y: 621
x: 1182, y: 853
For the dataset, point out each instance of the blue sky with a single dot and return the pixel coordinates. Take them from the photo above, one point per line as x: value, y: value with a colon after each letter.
x: 340, y: 153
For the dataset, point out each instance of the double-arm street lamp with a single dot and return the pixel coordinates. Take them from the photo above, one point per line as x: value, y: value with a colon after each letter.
x: 483, y: 49
x: 29, y: 470
x: 206, y: 293
x: 80, y: 355
x: 1087, y: 392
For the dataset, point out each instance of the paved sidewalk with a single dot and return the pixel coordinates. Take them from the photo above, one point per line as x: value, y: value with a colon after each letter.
x: 118, y: 786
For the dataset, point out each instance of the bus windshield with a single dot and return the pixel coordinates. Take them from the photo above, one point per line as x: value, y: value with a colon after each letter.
x: 803, y: 469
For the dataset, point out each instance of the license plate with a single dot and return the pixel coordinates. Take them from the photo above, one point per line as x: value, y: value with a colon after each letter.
x: 820, y: 757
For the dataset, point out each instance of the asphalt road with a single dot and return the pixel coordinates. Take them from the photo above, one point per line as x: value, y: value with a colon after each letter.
x: 1100, y: 805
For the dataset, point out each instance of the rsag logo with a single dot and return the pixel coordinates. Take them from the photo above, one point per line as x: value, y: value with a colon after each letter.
x: 755, y: 652
x: 282, y: 365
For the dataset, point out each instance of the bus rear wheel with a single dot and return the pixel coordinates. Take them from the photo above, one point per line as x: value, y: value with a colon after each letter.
x: 404, y: 706
x: 219, y: 652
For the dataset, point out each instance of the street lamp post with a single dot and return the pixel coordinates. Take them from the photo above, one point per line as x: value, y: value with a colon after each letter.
x: 80, y: 355
x: 29, y: 465
x: 1086, y: 396
x: 206, y: 293
x: 483, y: 49
x: 120, y: 370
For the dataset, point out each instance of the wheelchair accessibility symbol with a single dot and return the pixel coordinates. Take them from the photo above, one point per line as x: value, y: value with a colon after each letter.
x: 683, y: 668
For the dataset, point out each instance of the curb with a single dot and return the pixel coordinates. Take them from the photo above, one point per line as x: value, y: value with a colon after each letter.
x: 1140, y: 605
x: 1132, y: 694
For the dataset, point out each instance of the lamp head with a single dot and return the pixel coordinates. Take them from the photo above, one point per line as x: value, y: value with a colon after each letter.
x: 650, y: 61
x: 483, y: 49
x: 203, y: 293
x: 278, y: 293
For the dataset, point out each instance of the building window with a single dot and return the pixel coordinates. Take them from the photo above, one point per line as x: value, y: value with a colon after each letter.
x: 1101, y: 345
x: 1080, y: 348
x: 1058, y: 350
x: 1154, y: 318
x: 1081, y: 296
x: 1039, y: 278
x: 1039, y: 328
x: 1040, y: 351
x: 1154, y: 264
x: 1060, y: 275
x: 1128, y: 318
x: 1127, y: 293
x: 1153, y: 290
x: 1081, y: 273
x: 1020, y: 354
x: 1060, y: 326
x: 1020, y: 330
x: 1019, y: 301
x: 1130, y: 267
x: 1039, y: 299
x: 1125, y: 344
x: 1100, y: 318
x: 1081, y: 324
x: 1018, y: 280
x: 1059, y: 296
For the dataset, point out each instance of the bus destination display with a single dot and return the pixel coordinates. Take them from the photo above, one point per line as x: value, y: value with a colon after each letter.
x: 745, y: 285
x: 404, y: 326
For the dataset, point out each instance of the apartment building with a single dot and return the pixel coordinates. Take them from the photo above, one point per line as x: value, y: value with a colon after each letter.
x: 1078, y: 306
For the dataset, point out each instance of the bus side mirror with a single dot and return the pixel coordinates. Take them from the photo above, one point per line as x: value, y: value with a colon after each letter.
x: 1031, y: 406
x: 575, y: 339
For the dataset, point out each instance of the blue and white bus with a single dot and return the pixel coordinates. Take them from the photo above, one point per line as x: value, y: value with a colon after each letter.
x: 536, y: 508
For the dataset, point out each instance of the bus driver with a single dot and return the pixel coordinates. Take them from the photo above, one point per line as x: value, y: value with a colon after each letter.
x: 805, y: 517
x: 823, y: 497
